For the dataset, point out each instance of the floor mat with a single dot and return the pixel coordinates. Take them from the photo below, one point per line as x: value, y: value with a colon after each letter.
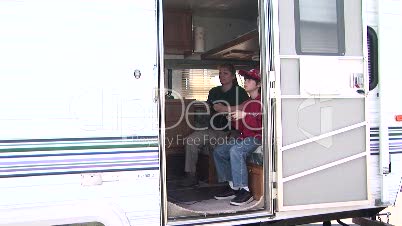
x: 208, y: 207
x: 192, y: 195
x: 199, y: 201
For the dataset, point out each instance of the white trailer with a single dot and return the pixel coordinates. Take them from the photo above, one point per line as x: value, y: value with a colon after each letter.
x: 82, y: 114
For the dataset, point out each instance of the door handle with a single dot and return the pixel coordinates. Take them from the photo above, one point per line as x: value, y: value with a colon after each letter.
x: 137, y: 74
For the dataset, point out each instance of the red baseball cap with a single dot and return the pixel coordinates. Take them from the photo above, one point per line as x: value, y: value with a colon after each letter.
x: 253, y: 74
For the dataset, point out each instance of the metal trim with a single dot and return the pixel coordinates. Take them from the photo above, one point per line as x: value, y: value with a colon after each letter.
x: 265, y: 33
x: 161, y: 114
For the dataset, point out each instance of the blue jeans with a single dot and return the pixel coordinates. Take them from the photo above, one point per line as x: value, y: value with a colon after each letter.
x: 230, y: 160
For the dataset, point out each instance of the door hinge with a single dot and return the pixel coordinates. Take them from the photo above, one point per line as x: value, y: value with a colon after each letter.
x: 274, y: 191
x: 271, y: 76
x: 274, y: 205
x: 156, y: 95
x: 274, y: 177
x: 272, y: 83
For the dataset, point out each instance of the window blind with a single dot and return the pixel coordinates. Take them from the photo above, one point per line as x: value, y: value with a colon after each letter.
x: 196, y: 83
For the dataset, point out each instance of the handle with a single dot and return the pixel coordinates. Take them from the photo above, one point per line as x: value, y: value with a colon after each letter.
x: 137, y: 73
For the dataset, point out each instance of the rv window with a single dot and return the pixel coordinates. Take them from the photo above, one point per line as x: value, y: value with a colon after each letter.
x: 319, y: 27
x: 196, y: 83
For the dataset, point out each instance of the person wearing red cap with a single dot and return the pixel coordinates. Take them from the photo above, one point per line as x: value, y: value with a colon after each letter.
x: 201, y: 141
x: 230, y: 157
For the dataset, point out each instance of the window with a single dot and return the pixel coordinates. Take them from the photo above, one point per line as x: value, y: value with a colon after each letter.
x: 320, y: 27
x: 196, y: 83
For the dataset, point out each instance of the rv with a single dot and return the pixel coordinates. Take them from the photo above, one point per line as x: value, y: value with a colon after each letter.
x: 97, y: 98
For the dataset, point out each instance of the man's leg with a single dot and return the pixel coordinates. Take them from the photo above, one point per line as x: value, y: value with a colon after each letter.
x: 222, y: 161
x: 194, y: 144
x: 222, y: 164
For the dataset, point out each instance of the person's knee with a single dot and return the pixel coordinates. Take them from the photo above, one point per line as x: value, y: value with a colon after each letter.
x: 193, y: 140
x: 218, y: 151
x: 200, y: 138
x: 234, y: 151
x: 191, y: 150
x: 217, y: 155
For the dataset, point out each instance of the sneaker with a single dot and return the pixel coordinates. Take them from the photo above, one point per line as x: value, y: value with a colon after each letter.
x: 242, y: 197
x: 228, y: 193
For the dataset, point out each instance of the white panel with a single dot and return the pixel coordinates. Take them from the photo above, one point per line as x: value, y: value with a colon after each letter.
x: 290, y: 79
x: 372, y: 6
x: 328, y: 75
x: 372, y: 14
x: 287, y: 27
x: 122, y: 195
x: 353, y: 28
x: 391, y: 7
x: 67, y: 68
x: 322, y: 187
x: 394, y: 186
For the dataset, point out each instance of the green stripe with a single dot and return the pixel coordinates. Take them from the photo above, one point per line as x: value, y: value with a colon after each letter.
x: 389, y: 134
x: 154, y: 144
x: 395, y: 134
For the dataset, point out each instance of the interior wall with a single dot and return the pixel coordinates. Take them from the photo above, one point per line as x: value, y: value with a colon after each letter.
x: 217, y: 32
x: 220, y: 30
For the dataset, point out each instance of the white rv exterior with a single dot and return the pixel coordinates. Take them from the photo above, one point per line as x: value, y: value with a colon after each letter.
x: 385, y: 145
x: 71, y: 150
x: 68, y: 74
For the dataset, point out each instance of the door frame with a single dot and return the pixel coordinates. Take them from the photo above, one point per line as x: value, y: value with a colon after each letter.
x: 267, y: 67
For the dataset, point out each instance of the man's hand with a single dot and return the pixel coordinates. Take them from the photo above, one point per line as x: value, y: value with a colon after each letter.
x: 236, y: 115
x: 223, y: 108
x: 220, y: 107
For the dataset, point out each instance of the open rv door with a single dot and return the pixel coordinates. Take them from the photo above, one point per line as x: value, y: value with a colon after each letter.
x: 322, y: 130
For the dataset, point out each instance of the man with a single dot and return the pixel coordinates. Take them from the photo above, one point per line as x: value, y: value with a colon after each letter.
x: 229, y: 93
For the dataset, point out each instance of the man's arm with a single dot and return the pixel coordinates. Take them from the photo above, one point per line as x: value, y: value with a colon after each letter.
x: 222, y: 108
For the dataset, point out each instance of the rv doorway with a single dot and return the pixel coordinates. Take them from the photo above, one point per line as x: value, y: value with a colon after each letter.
x: 199, y: 37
